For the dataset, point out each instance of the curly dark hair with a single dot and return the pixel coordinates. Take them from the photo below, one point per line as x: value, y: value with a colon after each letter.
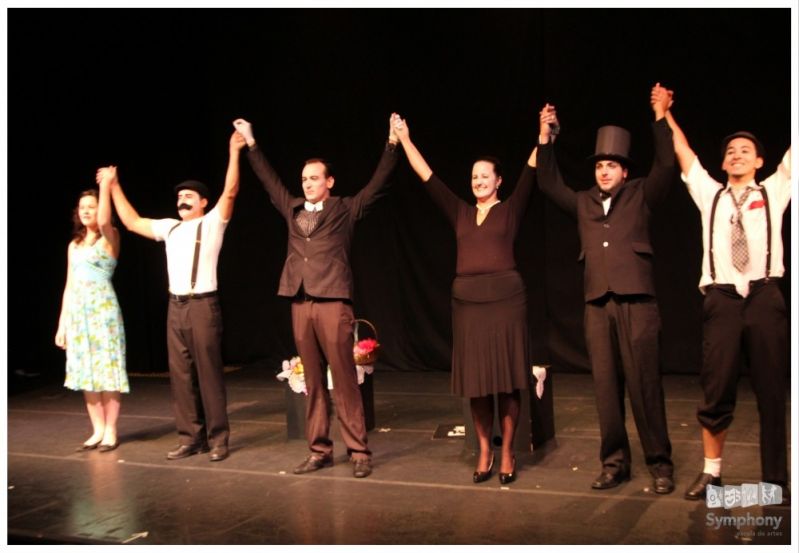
x: 78, y: 228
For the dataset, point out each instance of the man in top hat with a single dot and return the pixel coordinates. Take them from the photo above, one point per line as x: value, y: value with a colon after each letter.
x: 744, y: 310
x: 194, y: 318
x: 621, y: 314
x: 318, y: 279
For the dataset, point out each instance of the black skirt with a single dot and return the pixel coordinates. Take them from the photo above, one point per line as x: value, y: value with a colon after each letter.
x: 490, y: 343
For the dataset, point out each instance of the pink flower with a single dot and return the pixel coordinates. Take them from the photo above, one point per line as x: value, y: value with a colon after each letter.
x: 365, y: 346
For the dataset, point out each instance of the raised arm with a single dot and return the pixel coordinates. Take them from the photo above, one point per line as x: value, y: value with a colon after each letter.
x: 376, y: 187
x: 418, y: 164
x: 61, y: 333
x: 129, y: 216
x: 549, y: 178
x: 685, y: 155
x: 657, y: 183
x: 228, y: 197
x: 109, y: 232
x: 278, y: 194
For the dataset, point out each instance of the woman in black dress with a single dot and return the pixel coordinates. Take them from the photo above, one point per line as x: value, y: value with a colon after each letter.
x: 490, y: 353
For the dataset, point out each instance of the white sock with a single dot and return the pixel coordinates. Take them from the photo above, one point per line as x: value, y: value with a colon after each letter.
x: 712, y: 467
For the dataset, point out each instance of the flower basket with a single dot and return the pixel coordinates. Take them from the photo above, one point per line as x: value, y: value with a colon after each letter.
x: 365, y: 351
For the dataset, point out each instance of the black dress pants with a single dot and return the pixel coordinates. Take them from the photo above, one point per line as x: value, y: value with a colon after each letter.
x: 196, y: 371
x: 622, y: 338
x: 755, y: 327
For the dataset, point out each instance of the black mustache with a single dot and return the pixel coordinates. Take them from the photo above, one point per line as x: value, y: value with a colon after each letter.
x: 187, y: 207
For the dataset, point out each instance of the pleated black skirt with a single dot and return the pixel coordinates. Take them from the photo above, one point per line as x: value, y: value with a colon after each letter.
x: 490, y: 342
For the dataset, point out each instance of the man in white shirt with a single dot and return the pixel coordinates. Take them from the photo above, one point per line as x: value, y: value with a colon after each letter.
x: 194, y: 318
x: 744, y: 310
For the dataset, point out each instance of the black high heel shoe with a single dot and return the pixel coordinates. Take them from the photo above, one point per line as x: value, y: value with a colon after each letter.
x: 482, y: 476
x: 508, y: 477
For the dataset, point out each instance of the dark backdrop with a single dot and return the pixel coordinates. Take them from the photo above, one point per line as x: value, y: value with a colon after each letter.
x: 155, y: 91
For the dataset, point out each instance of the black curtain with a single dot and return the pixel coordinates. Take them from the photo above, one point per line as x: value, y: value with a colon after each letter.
x: 154, y: 91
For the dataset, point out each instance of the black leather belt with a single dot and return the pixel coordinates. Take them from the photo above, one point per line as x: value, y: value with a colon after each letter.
x: 188, y: 297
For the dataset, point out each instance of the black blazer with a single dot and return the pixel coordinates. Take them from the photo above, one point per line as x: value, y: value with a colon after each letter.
x: 321, y: 262
x: 616, y: 248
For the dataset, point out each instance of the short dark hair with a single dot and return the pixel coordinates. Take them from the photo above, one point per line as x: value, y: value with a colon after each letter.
x: 759, y: 149
x: 493, y: 161
x: 327, y: 165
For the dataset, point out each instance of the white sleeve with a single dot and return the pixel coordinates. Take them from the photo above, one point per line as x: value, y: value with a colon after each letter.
x: 778, y: 185
x: 701, y: 186
x: 161, y: 228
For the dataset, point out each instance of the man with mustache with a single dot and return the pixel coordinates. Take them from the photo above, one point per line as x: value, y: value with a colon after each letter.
x: 318, y: 279
x: 622, y: 321
x: 194, y: 318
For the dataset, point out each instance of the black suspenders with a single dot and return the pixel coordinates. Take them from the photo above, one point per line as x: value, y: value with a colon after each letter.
x: 197, y: 242
x: 768, y: 232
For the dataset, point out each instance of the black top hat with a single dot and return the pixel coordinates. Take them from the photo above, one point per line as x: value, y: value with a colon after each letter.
x: 195, y: 185
x: 760, y: 150
x: 612, y: 143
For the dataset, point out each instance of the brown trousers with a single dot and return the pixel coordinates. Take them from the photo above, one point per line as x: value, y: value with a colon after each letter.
x: 196, y: 371
x: 323, y: 331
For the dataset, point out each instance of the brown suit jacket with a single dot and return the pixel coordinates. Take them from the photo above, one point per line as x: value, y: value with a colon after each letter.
x: 320, y: 263
x: 616, y: 247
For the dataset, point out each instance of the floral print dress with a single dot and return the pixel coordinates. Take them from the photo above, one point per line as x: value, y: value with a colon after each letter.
x: 95, y: 334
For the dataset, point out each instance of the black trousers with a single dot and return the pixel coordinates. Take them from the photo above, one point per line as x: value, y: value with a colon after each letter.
x: 622, y: 335
x: 196, y: 371
x: 755, y: 326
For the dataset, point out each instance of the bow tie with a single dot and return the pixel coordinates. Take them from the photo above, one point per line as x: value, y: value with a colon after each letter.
x: 604, y: 195
x: 314, y: 207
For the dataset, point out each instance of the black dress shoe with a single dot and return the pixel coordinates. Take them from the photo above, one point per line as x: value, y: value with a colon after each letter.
x: 183, y: 451
x: 483, y: 475
x: 607, y: 480
x: 105, y: 448
x: 219, y: 453
x: 698, y: 489
x: 87, y: 447
x: 508, y: 477
x: 312, y: 463
x: 361, y: 468
x: 663, y: 484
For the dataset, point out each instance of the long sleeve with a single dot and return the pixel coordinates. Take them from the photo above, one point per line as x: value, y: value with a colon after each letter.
x: 278, y: 194
x: 657, y: 182
x: 551, y: 182
x: 377, y: 187
x: 443, y: 197
x: 524, y: 187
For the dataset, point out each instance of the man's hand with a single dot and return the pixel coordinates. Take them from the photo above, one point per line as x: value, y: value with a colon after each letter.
x: 237, y: 142
x: 548, y: 120
x: 106, y: 175
x: 661, y: 100
x: 399, y: 127
x: 245, y: 128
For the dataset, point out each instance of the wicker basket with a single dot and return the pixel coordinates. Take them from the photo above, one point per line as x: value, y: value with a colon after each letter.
x: 368, y: 358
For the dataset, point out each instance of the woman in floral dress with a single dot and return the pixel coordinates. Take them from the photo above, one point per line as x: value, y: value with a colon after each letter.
x: 90, y: 327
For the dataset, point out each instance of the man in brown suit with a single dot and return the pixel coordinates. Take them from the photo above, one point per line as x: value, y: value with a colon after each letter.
x: 318, y: 278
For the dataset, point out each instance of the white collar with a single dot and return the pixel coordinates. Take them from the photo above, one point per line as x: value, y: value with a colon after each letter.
x: 314, y: 207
